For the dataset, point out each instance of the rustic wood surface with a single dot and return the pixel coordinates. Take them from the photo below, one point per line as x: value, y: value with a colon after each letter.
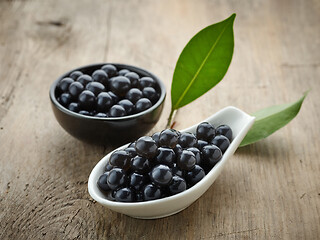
x: 268, y: 190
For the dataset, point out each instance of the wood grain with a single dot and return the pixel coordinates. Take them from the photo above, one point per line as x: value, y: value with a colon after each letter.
x: 269, y: 190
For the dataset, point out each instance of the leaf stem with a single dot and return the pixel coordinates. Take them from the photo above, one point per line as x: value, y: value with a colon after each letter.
x: 170, y: 118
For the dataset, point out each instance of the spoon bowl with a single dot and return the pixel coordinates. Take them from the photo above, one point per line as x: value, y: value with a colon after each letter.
x: 239, y: 122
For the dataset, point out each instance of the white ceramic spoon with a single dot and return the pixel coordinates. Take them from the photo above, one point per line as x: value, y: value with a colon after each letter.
x: 239, y: 122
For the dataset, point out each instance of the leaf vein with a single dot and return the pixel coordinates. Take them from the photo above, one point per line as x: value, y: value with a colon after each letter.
x: 201, y: 66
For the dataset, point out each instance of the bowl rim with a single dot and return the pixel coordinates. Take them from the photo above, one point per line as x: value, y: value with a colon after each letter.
x: 118, y: 65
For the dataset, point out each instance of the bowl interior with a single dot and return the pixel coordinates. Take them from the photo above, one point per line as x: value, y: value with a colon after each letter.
x: 89, y: 69
x: 113, y: 131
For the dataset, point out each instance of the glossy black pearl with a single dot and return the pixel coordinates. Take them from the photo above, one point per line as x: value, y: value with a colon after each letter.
x: 211, y: 154
x: 165, y: 156
x: 116, y: 178
x: 120, y: 159
x: 151, y: 192
x: 84, y: 79
x: 108, y: 167
x: 177, y: 185
x: 196, y: 153
x: 110, y: 69
x: 147, y: 82
x: 64, y: 84
x: 110, y: 195
x: 137, y: 181
x: 85, y: 112
x: 140, y: 164
x: 186, y: 160
x: 124, y: 195
x: 104, y: 102
x: 74, y: 107
x: 146, y: 147
x: 102, y: 182
x: 161, y: 175
x: 142, y: 104
x: 123, y: 72
x: 139, y: 196
x: 101, y: 77
x: 95, y: 87
x: 75, y: 74
x: 101, y: 115
x: 155, y: 137
x: 117, y: 111
x: 127, y: 105
x: 178, y: 149
x: 224, y: 130
x: 114, y: 97
x: 134, y: 79
x: 177, y: 171
x: 195, y: 175
x: 168, y: 138
x: 205, y: 131
x: 201, y: 144
x: 87, y: 100
x: 134, y: 94
x: 150, y: 93
x: 120, y: 85
x: 221, y: 142
x: 75, y: 89
x: 187, y: 140
x: 131, y: 151
x: 65, y: 99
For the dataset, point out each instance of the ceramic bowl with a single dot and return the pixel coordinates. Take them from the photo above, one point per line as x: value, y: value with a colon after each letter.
x: 240, y: 124
x: 116, y: 130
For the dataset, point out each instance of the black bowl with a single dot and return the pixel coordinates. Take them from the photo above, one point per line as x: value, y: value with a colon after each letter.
x: 104, y: 131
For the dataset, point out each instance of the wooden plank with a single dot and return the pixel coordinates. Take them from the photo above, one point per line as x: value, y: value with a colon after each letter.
x: 269, y: 190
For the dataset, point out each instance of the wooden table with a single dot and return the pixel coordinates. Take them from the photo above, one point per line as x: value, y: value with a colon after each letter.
x: 268, y: 190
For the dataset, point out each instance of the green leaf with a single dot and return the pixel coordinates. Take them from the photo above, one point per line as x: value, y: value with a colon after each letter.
x: 203, y: 62
x: 271, y: 119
